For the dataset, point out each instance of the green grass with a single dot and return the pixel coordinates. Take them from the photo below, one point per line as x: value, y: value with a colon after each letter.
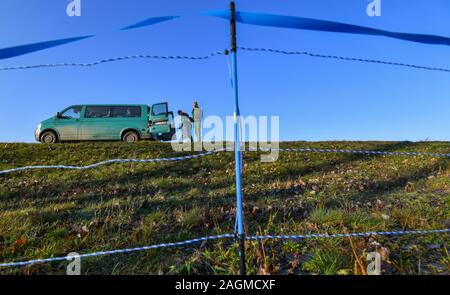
x: 47, y: 213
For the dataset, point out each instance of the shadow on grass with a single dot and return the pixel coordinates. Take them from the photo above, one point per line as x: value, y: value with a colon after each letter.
x: 329, y: 165
x: 178, y: 193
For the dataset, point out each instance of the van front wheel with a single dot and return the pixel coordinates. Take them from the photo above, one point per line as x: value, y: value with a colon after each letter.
x: 49, y: 137
x: 130, y: 136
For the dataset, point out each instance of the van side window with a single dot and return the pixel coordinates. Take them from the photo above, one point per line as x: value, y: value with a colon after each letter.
x: 72, y: 113
x: 159, y: 109
x: 97, y: 112
x: 126, y: 112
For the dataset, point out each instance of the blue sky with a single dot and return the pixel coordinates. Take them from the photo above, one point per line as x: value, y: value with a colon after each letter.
x: 316, y: 99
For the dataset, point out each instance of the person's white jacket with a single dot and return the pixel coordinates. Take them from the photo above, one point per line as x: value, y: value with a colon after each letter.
x: 186, y: 128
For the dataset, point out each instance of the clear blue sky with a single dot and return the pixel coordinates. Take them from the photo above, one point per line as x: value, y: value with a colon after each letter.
x: 316, y: 99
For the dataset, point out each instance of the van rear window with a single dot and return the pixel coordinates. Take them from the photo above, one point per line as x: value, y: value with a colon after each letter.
x: 113, y: 112
x: 159, y: 109
x: 126, y: 112
x: 97, y: 112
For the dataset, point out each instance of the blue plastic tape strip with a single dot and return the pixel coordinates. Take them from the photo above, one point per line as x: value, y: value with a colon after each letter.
x: 303, y: 23
x: 149, y: 22
x: 29, y: 48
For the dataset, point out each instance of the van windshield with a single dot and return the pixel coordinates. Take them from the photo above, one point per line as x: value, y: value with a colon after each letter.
x: 72, y: 113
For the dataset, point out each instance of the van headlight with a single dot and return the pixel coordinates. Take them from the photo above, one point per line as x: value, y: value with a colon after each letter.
x: 39, y: 127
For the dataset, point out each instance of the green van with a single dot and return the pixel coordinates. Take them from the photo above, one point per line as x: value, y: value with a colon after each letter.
x: 126, y: 122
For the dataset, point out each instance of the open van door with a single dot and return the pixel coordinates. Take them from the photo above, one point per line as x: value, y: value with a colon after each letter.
x: 161, y: 121
x: 159, y: 112
x: 169, y: 135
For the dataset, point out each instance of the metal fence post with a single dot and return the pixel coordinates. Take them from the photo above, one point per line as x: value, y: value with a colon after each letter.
x: 237, y: 142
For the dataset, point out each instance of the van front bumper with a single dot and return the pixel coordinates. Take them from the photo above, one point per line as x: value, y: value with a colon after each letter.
x: 37, y: 134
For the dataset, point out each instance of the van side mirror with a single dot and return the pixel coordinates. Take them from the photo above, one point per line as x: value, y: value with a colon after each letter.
x: 58, y: 115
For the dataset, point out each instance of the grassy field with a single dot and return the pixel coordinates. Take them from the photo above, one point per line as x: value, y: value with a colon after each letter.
x: 45, y: 213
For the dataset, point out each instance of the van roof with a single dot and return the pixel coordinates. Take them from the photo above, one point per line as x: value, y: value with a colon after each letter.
x: 112, y: 104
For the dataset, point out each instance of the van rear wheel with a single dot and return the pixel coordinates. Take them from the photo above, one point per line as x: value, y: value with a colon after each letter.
x: 49, y: 137
x: 130, y: 136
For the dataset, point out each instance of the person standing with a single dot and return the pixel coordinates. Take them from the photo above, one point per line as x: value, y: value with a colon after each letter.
x: 197, y: 115
x: 185, y: 126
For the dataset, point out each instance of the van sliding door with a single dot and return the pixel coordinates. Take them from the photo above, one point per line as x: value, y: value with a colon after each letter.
x: 96, y: 124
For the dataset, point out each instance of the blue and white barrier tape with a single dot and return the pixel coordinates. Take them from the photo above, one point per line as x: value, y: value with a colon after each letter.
x: 181, y: 158
x: 62, y: 258
x: 215, y: 53
x: 114, y: 59
x: 366, y: 234
x: 288, y: 237
x: 306, y: 150
x: 306, y: 53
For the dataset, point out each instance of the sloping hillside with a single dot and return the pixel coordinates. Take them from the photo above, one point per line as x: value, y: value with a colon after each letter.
x: 45, y: 213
